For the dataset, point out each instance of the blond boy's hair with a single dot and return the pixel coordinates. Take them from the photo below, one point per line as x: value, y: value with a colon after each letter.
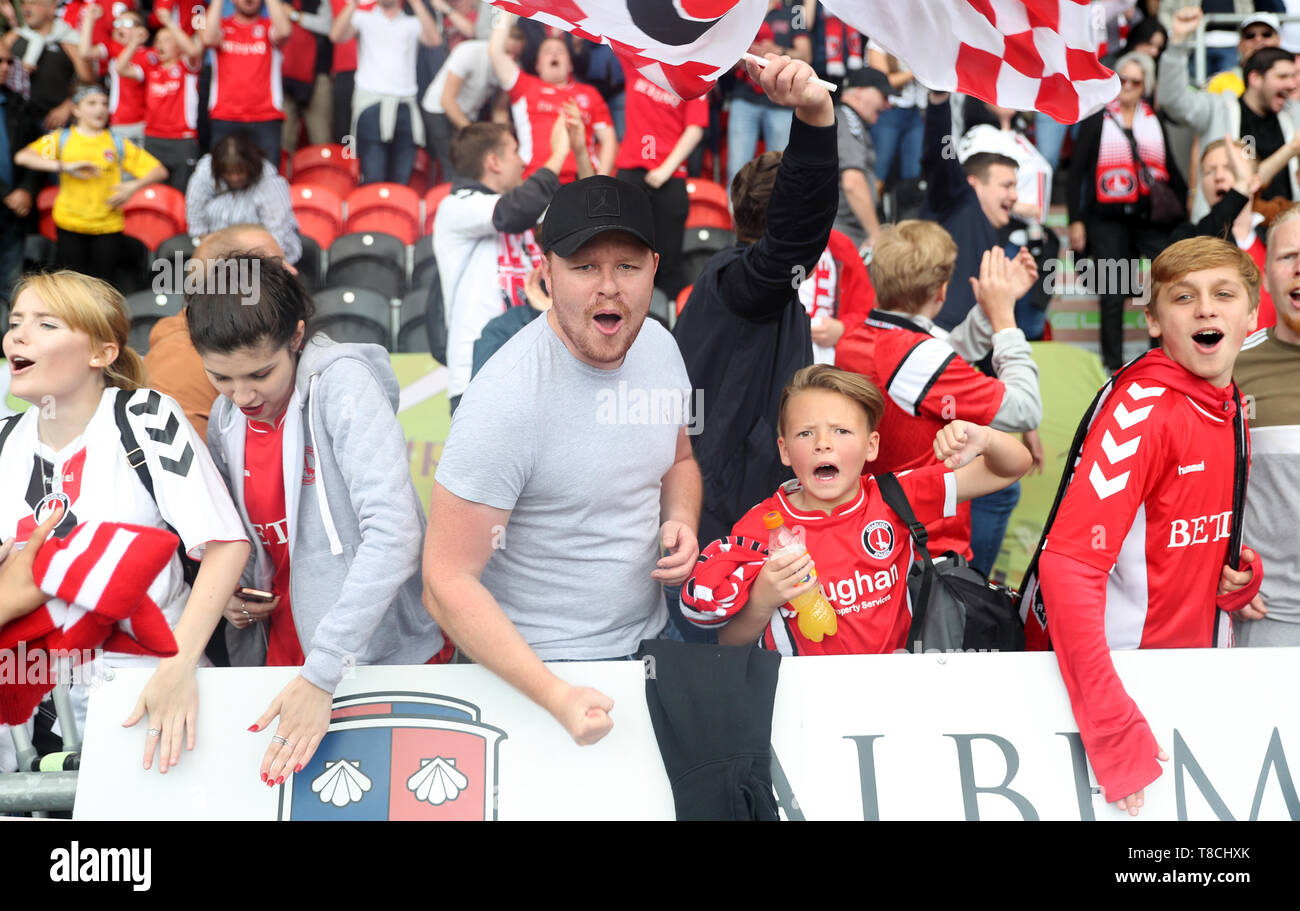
x: 851, y: 385
x: 1196, y: 254
x: 911, y: 261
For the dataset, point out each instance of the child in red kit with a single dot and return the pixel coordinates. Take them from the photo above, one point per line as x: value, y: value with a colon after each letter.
x: 1140, y: 551
x: 861, y: 548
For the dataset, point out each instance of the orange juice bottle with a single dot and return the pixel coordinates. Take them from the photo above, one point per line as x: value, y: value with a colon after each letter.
x: 816, y: 616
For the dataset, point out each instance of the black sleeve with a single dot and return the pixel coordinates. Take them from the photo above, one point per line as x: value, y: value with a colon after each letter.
x: 757, y: 285
x: 944, y: 174
x: 1215, y: 224
x: 1083, y: 162
x: 521, y: 208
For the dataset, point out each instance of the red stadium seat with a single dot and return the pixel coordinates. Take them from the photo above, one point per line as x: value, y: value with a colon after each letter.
x: 704, y: 215
x: 330, y: 166
x: 682, y: 295
x: 700, y: 190
x: 387, y: 208
x: 318, y: 226
x: 45, y: 207
x: 155, y: 214
x: 320, y: 201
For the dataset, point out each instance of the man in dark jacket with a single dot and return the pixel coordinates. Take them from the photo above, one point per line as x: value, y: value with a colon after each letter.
x: 972, y: 201
x: 743, y: 332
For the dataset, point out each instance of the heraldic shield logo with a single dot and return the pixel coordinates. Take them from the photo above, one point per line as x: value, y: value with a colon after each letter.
x: 398, y: 755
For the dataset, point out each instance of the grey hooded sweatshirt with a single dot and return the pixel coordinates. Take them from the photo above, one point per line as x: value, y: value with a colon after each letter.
x: 356, y: 529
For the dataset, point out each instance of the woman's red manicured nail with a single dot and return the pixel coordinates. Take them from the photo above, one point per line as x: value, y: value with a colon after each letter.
x: 264, y: 776
x: 280, y: 780
x: 297, y: 768
x: 252, y: 727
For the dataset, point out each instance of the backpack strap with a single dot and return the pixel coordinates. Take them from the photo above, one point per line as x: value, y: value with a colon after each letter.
x: 896, y: 499
x: 118, y: 145
x: 62, y: 141
x: 134, y: 454
x: 1241, y: 478
x: 7, y: 427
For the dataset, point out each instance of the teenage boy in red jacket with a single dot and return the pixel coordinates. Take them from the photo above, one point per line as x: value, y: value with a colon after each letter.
x: 1137, y: 555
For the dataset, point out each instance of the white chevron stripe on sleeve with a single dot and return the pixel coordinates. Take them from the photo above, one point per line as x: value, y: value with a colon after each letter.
x: 1105, y: 486
x: 1118, y: 452
x: 1127, y: 419
x: 1140, y: 393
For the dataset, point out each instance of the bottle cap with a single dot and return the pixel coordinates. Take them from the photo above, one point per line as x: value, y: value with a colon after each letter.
x: 773, y: 520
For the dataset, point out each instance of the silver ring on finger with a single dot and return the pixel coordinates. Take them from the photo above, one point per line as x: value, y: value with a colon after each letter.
x: 283, y: 741
x: 155, y: 732
x: 248, y: 616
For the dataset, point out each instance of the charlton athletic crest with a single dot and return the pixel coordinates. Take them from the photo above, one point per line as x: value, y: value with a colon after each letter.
x: 878, y: 539
x: 398, y: 756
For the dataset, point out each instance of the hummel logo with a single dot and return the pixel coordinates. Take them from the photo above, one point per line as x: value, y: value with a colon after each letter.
x: 1188, y: 469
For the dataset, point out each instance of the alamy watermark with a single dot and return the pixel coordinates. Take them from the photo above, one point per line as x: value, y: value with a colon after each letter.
x: 48, y: 667
x: 1098, y: 276
x: 626, y: 404
x: 194, y: 276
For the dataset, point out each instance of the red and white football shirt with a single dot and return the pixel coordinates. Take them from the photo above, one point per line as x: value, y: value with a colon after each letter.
x: 126, y: 97
x: 246, y: 73
x: 99, y: 483
x: 837, y: 288
x: 1150, y: 504
x: 659, y: 118
x: 926, y: 386
x: 188, y: 14
x: 536, y: 104
x: 265, y: 501
x: 171, y: 100
x: 862, y: 552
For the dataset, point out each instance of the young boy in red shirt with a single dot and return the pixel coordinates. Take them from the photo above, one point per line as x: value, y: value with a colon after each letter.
x: 861, y: 548
x: 1137, y: 552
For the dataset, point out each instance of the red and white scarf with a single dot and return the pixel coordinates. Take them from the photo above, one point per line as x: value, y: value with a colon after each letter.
x: 1119, y: 179
x: 104, y: 580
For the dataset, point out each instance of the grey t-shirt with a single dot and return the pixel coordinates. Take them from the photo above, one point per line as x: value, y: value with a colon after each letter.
x: 857, y: 152
x: 577, y: 454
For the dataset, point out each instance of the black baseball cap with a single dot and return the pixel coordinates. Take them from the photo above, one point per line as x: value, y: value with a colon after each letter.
x: 582, y: 209
x: 869, y: 78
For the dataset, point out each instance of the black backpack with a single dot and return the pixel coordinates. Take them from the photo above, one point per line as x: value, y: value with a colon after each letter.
x: 954, y: 608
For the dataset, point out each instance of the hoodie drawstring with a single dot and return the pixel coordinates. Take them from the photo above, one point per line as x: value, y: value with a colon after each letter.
x: 336, y: 546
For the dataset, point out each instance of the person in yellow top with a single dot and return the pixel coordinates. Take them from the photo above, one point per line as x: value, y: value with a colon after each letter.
x: 91, y: 163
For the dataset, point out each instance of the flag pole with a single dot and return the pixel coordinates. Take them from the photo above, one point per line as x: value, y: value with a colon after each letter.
x: 762, y: 62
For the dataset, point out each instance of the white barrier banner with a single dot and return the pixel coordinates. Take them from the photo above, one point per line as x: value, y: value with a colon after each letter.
x: 956, y: 736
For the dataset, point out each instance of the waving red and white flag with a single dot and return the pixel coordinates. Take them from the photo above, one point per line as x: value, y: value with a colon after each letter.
x: 1025, y: 54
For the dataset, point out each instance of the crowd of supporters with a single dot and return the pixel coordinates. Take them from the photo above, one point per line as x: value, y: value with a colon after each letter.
x: 416, y: 174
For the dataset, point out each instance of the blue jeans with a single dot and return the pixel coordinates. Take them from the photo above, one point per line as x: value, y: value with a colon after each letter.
x: 617, y: 105
x: 745, y: 123
x: 381, y: 161
x: 897, y: 136
x: 988, y: 525
x: 1030, y: 319
x: 1217, y: 60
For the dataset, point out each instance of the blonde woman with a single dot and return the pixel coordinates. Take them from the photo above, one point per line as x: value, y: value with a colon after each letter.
x: 92, y: 442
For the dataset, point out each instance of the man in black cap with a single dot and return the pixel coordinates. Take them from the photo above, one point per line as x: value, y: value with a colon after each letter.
x: 568, y: 471
x: 865, y: 95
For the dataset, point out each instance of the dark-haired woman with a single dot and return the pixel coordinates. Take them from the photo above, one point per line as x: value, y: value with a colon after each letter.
x: 235, y: 185
x: 305, y: 433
